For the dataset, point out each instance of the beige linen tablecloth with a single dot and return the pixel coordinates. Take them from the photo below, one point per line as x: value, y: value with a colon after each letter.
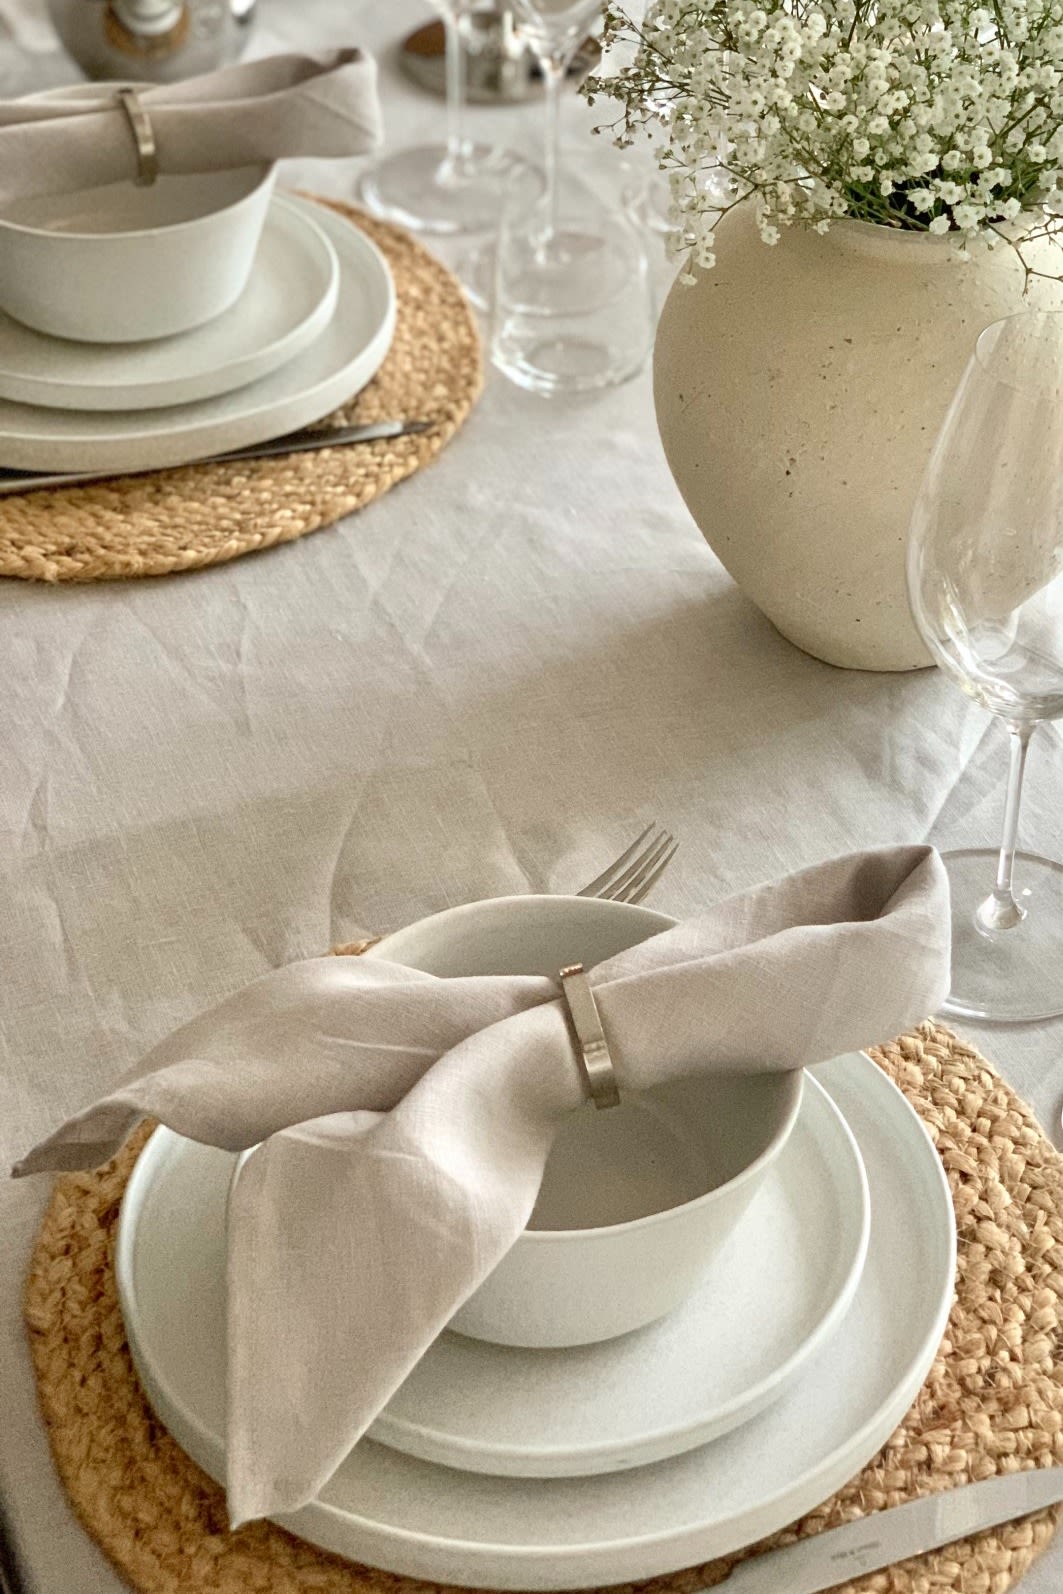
x: 484, y: 684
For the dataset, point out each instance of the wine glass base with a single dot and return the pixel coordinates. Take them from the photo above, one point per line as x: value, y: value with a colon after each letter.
x: 1007, y: 976
x: 420, y: 188
x: 564, y: 364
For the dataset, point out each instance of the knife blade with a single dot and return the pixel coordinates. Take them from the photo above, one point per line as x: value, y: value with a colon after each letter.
x: 886, y: 1537
x: 11, y: 1578
x: 302, y: 442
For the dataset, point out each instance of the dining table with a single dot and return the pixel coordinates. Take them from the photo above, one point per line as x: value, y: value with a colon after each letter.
x: 485, y: 683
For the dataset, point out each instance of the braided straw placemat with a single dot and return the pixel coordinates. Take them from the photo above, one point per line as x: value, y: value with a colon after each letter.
x: 993, y: 1401
x: 205, y: 514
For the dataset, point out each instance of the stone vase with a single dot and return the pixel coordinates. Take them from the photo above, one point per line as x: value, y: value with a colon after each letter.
x: 799, y: 388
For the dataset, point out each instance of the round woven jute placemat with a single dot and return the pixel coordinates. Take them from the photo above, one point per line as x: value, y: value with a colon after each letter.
x: 205, y: 514
x: 993, y: 1401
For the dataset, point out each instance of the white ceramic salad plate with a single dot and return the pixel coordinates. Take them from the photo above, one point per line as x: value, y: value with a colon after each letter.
x: 770, y: 1298
x: 289, y: 300
x: 336, y: 365
x: 439, y: 1523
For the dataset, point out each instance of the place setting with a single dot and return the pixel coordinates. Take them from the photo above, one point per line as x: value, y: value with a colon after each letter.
x: 164, y: 305
x: 551, y: 1242
x: 656, y: 1294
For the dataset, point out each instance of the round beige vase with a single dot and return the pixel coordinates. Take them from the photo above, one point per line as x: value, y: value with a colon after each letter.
x: 799, y: 389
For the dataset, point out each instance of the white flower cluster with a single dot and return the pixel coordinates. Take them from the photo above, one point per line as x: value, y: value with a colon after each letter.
x: 936, y: 115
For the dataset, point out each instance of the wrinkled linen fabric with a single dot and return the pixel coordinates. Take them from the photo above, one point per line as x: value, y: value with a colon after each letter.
x: 402, y: 1123
x: 30, y: 26
x: 246, y: 115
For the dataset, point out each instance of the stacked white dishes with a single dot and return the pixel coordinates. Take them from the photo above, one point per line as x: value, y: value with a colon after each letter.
x: 783, y: 1368
x: 142, y: 327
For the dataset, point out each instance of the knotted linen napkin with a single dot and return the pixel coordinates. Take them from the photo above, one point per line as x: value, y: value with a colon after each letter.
x: 246, y: 115
x: 403, y: 1123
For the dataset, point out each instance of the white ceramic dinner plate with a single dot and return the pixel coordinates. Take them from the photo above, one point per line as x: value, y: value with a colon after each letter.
x: 287, y: 303
x: 336, y: 365
x: 434, y: 1522
x: 771, y: 1297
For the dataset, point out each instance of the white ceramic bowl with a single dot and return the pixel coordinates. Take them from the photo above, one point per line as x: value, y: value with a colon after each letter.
x: 635, y: 1199
x: 120, y: 264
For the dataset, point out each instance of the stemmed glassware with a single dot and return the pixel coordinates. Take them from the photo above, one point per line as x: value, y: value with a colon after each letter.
x: 456, y: 187
x: 555, y: 29
x: 572, y: 307
x: 985, y: 578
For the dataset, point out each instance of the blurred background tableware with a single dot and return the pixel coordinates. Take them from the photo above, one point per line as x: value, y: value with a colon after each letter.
x: 556, y: 30
x: 97, y: 243
x: 497, y: 64
x: 121, y: 263
x: 985, y: 575
x: 155, y: 40
x: 289, y: 300
x: 500, y: 66
x: 636, y: 1199
x: 337, y: 364
x: 456, y: 187
x: 648, y: 197
x: 572, y: 307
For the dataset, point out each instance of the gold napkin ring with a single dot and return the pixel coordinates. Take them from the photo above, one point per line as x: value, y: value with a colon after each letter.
x: 143, y: 136
x: 591, y: 1047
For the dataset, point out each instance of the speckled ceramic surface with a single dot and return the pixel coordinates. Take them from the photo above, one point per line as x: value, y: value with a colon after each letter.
x: 799, y: 389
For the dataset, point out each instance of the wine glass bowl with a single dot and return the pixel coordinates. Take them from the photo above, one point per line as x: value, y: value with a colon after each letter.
x: 985, y: 579
x: 556, y: 26
x: 456, y: 187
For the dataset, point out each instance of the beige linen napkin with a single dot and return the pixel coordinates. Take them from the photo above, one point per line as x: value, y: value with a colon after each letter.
x: 405, y: 1121
x: 244, y: 115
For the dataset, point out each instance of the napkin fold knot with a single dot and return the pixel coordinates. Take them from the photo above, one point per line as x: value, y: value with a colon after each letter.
x: 251, y: 114
x: 401, y: 1122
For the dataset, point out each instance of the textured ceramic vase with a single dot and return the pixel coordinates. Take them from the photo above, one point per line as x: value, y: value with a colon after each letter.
x: 799, y: 389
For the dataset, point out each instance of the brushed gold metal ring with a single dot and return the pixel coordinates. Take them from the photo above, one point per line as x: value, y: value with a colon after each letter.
x: 592, y: 1050
x: 143, y: 136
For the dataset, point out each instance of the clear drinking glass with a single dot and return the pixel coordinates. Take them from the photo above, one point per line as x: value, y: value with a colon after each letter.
x: 985, y: 578
x: 572, y: 308
x: 456, y: 187
x: 572, y: 319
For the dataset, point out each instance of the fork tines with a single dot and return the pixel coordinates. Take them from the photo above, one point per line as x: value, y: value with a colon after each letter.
x: 629, y: 877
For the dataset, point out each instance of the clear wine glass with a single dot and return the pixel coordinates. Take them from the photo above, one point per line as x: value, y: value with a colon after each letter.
x: 555, y: 29
x: 456, y: 187
x: 985, y: 579
x: 573, y: 306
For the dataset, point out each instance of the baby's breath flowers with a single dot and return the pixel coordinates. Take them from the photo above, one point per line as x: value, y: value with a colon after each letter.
x: 941, y: 116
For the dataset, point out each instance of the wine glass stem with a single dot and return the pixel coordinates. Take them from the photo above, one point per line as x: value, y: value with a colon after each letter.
x: 554, y: 67
x: 457, y: 143
x: 1000, y: 910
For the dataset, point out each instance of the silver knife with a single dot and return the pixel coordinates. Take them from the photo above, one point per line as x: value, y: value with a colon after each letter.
x: 886, y: 1537
x: 302, y: 442
x: 11, y: 1578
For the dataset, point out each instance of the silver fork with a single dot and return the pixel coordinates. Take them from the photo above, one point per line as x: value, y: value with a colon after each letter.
x: 629, y: 877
